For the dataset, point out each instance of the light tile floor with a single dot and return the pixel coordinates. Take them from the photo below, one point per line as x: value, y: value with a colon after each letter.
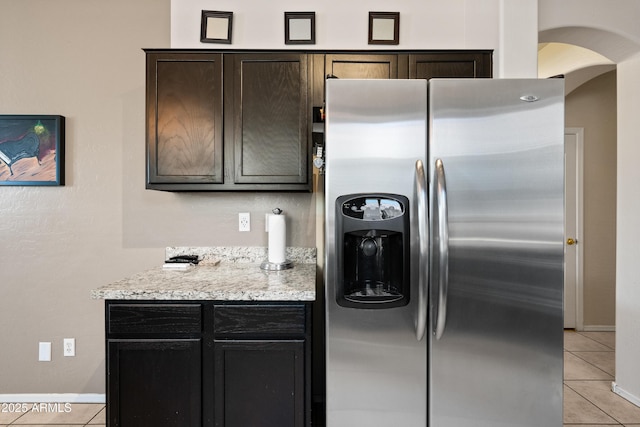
x: 589, y: 369
x: 79, y: 414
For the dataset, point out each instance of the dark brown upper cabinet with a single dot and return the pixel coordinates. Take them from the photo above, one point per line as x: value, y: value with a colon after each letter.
x: 254, y: 137
x: 266, y: 111
x: 364, y: 66
x: 450, y: 65
x: 242, y: 120
x: 184, y: 119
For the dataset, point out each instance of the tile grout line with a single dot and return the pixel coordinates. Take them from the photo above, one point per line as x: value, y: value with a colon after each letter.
x: 595, y: 366
x: 94, y: 417
x: 592, y: 339
x: 593, y: 403
x: 12, y: 423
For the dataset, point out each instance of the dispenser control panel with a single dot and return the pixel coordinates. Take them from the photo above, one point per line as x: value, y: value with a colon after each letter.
x: 372, y: 208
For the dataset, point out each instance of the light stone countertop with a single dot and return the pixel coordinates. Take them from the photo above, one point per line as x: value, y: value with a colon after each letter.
x: 237, y: 277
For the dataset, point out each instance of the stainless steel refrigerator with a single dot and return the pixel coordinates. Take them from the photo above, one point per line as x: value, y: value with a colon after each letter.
x: 444, y: 252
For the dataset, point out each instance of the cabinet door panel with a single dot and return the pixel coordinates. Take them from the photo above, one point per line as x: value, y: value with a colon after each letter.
x: 450, y: 65
x: 259, y: 383
x: 371, y: 66
x: 153, y: 383
x: 270, y: 118
x: 184, y: 118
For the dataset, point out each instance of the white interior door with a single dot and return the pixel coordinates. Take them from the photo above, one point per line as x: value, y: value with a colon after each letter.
x: 573, y: 228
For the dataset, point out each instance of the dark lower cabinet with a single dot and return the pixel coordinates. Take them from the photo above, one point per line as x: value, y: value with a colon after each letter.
x: 259, y: 383
x: 262, y: 360
x: 154, y: 383
x: 193, y: 364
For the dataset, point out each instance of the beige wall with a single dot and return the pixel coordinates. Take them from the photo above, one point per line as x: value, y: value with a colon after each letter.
x: 628, y: 250
x: 82, y: 59
x: 593, y: 107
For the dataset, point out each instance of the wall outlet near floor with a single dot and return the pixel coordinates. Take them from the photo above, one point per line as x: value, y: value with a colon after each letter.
x: 44, y: 352
x: 69, y: 346
x: 244, y: 221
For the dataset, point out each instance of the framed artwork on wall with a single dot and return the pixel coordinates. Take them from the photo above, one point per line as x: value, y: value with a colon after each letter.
x: 384, y: 28
x: 31, y: 150
x: 216, y: 27
x: 299, y: 28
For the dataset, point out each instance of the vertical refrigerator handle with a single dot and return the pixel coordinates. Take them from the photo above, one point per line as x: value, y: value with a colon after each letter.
x: 423, y: 248
x: 440, y: 272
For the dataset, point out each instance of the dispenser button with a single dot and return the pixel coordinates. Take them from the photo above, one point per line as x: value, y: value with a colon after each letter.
x: 369, y: 247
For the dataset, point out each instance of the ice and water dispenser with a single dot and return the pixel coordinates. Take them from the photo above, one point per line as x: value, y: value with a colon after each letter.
x: 372, y: 249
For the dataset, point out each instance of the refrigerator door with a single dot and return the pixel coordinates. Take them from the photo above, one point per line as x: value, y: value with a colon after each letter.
x: 376, y: 368
x: 496, y: 327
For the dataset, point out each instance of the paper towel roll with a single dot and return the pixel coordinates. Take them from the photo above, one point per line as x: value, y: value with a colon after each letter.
x: 277, y: 238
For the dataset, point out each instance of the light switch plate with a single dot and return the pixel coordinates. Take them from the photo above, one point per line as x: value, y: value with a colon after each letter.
x: 44, y: 352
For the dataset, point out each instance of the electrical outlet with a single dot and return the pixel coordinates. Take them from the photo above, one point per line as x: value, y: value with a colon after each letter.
x: 44, y: 352
x: 244, y: 221
x: 69, y: 346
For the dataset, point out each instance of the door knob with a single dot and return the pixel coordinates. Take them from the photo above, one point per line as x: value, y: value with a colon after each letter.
x: 571, y: 241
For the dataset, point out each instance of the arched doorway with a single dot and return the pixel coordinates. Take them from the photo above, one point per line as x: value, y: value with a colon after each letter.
x: 590, y: 105
x: 621, y: 45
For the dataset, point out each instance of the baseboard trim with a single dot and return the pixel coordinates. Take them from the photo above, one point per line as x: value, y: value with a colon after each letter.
x: 53, y: 398
x: 625, y: 394
x: 599, y: 328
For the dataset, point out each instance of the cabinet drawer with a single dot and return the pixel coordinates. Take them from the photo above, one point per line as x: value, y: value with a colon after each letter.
x: 154, y: 318
x: 258, y: 320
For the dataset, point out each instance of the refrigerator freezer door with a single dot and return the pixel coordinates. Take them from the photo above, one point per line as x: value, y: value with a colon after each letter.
x: 376, y: 368
x: 498, y: 361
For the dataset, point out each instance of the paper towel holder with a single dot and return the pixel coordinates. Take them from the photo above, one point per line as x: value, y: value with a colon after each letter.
x: 275, y: 266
